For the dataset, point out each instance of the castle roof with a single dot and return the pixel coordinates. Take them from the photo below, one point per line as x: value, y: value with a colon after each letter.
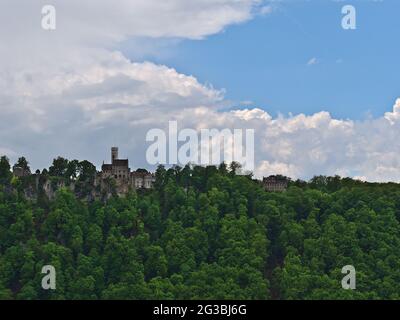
x: 142, y: 174
x: 276, y: 178
x: 106, y: 167
x: 121, y: 162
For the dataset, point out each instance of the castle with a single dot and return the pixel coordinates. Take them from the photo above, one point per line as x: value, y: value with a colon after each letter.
x: 124, y: 177
x: 275, y: 183
x: 114, y: 178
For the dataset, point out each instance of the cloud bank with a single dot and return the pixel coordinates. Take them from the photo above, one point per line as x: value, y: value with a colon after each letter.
x: 70, y: 92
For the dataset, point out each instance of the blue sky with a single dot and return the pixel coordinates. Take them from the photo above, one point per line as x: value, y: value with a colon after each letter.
x: 265, y: 60
x: 110, y: 73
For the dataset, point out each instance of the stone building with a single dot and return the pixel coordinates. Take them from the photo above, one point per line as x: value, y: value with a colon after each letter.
x: 275, y: 183
x: 21, y: 172
x: 142, y: 179
x: 120, y: 171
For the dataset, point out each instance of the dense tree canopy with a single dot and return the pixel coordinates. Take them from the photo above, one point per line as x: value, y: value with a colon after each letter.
x: 201, y: 233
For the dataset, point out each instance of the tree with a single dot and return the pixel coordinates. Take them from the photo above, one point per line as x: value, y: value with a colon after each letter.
x: 87, y: 171
x: 156, y: 264
x: 5, y: 173
x: 59, y: 167
x: 72, y: 169
x: 203, y: 233
x: 223, y: 168
x: 23, y: 164
x: 235, y: 167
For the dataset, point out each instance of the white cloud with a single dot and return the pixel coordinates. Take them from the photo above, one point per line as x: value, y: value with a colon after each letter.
x: 266, y: 168
x: 312, y: 61
x: 394, y: 116
x: 71, y: 93
x: 266, y: 9
x: 65, y: 90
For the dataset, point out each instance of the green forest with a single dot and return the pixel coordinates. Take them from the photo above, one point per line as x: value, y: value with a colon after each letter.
x: 200, y: 233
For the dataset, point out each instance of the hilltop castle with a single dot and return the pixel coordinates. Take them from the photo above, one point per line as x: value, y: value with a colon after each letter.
x: 124, y: 177
x: 113, y: 178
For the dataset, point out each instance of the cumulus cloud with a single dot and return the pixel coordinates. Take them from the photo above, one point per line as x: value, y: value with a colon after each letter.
x: 64, y: 90
x: 301, y: 146
x: 312, y: 61
x: 394, y: 116
x: 71, y: 93
x: 103, y: 22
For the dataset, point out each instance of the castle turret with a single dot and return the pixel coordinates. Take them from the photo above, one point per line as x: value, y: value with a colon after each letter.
x: 114, y: 154
x: 120, y: 171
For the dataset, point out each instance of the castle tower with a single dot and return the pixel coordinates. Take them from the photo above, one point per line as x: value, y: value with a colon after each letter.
x: 114, y: 154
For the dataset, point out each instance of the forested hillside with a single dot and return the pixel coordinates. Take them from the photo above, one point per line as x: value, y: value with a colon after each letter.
x: 203, y: 233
